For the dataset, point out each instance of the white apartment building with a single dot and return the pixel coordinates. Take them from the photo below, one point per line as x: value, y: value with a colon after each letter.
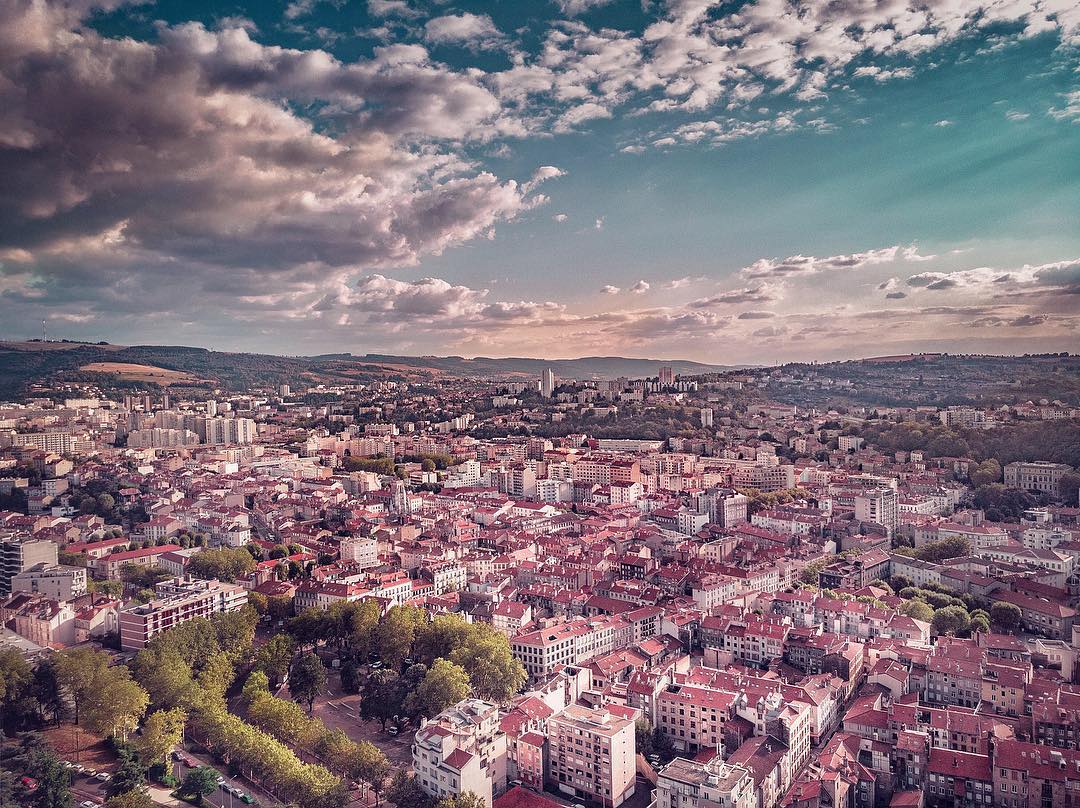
x: 547, y: 383
x: 591, y: 755
x: 1038, y: 475
x: 979, y: 537
x: 461, y: 749
x: 880, y: 506
x: 1044, y: 537
x: 554, y: 490
x: 965, y: 417
x: 446, y: 576
x: 362, y: 550
x: 20, y: 553
x: 157, y: 438
x: 572, y: 643
x: 52, y: 580
x: 689, y: 784
x: 849, y: 443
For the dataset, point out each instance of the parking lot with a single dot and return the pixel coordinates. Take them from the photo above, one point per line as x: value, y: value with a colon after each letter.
x: 87, y: 790
x: 341, y: 711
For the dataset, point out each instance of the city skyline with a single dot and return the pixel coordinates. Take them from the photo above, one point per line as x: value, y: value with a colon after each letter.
x: 672, y: 180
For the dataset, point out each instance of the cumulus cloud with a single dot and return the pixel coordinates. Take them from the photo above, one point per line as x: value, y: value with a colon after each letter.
x: 981, y: 279
x: 693, y: 58
x: 430, y: 303
x: 803, y: 265
x: 560, y: 217
x: 640, y: 288
x: 1070, y: 110
x: 1028, y: 320
x: 299, y: 8
x: 391, y: 8
x: 542, y: 174
x: 474, y: 31
x: 130, y: 159
x: 573, y: 8
x: 686, y: 280
x: 770, y: 331
x: 609, y: 290
x: 760, y: 293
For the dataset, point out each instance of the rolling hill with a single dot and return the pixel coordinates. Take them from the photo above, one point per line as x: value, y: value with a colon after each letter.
x: 42, y: 364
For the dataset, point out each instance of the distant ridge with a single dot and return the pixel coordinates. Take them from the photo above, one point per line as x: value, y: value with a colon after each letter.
x: 585, y: 367
x: 34, y: 362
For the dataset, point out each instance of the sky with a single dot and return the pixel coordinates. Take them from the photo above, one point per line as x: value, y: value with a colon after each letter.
x: 754, y: 181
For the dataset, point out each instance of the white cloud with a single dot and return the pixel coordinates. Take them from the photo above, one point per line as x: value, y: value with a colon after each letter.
x: 686, y: 280
x: 1071, y: 109
x: 609, y: 290
x: 391, y: 8
x: 1059, y: 273
x: 299, y: 8
x: 640, y: 288
x: 588, y: 111
x: 560, y: 217
x: 542, y: 174
x: 599, y: 223
x: 468, y: 30
x: 179, y: 153
x: 802, y: 265
x: 573, y: 8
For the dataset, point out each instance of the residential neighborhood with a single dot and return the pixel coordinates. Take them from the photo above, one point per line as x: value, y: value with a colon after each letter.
x: 373, y: 593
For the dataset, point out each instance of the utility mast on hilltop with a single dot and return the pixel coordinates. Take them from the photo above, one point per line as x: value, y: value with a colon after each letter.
x: 44, y: 336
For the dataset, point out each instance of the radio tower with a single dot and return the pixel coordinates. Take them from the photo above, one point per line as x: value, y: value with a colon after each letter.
x: 44, y: 337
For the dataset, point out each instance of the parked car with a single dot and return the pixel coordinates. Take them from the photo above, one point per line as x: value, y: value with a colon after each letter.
x: 89, y: 804
x: 102, y: 776
x: 247, y: 799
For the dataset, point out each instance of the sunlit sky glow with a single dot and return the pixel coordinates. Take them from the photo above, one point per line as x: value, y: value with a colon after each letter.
x: 742, y: 182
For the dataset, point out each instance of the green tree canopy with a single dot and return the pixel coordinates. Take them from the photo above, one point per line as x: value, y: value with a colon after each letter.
x: 275, y: 657
x: 444, y: 684
x: 918, y: 610
x: 224, y: 564
x: 1007, y: 616
x: 162, y: 730
x: 307, y: 679
x: 200, y: 782
x: 950, y: 620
